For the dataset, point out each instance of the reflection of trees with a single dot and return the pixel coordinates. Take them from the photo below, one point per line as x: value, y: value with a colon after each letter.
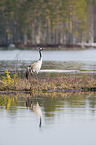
x: 51, y: 105
x: 76, y: 100
x: 8, y: 101
x: 49, y: 102
x: 92, y: 103
x: 69, y: 100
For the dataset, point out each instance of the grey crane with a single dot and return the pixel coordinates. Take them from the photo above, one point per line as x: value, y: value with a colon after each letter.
x: 36, y: 66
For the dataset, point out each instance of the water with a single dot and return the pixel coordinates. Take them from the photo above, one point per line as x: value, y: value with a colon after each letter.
x: 83, y: 60
x: 67, y: 118
x: 64, y: 118
x: 67, y: 55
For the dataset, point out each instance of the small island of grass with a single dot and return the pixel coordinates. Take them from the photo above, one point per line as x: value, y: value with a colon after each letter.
x: 48, y: 84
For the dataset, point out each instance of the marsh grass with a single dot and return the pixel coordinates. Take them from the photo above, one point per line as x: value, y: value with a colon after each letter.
x: 52, y: 84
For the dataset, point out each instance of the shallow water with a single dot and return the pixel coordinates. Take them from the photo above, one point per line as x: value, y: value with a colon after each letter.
x: 67, y: 118
x: 82, y: 60
x: 66, y: 55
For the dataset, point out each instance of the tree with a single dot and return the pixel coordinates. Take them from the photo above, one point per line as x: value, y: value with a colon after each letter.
x: 45, y: 21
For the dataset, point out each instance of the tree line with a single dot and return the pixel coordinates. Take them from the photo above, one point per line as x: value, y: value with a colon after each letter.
x: 33, y: 22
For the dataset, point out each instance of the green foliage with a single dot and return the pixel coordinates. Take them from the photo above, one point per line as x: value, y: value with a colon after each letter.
x: 8, y: 101
x: 8, y: 81
x: 29, y: 16
x: 11, y: 101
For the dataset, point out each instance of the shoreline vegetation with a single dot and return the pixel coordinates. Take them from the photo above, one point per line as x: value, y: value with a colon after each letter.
x: 66, y: 83
x: 47, y: 22
x: 49, y: 46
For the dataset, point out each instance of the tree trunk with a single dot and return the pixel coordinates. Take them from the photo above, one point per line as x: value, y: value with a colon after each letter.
x: 25, y: 38
x: 91, y: 23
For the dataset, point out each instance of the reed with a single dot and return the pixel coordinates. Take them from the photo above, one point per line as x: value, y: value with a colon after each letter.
x: 55, y: 84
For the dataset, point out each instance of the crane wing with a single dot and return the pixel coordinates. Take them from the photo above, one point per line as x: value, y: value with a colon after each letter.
x: 35, y: 67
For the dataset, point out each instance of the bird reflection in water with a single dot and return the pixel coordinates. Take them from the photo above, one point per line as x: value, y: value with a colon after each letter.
x: 36, y: 108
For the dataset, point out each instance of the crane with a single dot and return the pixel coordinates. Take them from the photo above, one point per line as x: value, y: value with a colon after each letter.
x: 36, y: 66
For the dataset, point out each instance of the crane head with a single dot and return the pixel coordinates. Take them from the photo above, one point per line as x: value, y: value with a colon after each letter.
x: 40, y: 49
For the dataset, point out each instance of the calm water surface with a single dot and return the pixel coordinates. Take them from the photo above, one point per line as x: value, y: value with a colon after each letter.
x: 66, y: 55
x: 66, y: 60
x: 67, y: 118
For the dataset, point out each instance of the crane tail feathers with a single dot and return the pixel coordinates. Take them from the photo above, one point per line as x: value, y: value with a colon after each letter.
x: 27, y: 74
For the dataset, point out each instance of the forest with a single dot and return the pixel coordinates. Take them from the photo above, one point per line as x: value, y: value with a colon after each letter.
x: 47, y: 22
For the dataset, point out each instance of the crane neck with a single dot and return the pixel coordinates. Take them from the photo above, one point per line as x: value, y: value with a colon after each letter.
x: 40, y: 55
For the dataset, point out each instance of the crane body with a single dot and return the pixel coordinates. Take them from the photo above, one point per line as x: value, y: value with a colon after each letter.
x: 35, y: 67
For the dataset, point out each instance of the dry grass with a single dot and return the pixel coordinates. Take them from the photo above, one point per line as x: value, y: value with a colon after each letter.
x: 64, y: 83
x: 54, y: 84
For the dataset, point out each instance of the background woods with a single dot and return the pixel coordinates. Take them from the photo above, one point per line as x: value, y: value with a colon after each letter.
x: 34, y: 22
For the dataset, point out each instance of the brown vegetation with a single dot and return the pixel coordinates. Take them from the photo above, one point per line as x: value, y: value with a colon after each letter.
x: 59, y: 84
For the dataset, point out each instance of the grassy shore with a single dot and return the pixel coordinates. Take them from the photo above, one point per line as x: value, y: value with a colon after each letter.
x: 55, y: 84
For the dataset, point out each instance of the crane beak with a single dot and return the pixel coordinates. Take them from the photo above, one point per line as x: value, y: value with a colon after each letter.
x: 40, y: 49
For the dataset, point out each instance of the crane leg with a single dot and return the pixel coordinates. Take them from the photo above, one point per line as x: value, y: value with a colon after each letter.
x: 27, y: 75
x: 36, y: 76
